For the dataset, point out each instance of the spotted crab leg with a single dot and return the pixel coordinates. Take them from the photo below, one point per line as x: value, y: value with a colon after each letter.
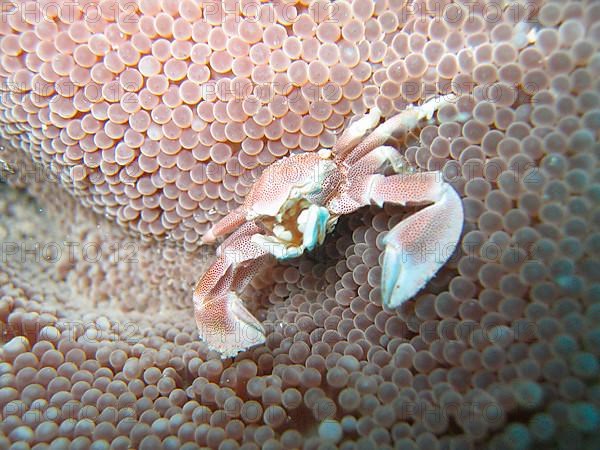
x: 355, y: 133
x: 375, y: 160
x: 351, y: 147
x: 226, y: 225
x: 223, y: 321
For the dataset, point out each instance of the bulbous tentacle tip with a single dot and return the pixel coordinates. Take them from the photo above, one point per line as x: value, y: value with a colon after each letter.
x: 227, y: 326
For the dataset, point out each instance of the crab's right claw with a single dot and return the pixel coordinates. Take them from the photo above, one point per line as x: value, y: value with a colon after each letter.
x: 226, y: 325
x: 419, y: 246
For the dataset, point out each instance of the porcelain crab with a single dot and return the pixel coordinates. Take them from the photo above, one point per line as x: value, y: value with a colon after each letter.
x: 297, y: 200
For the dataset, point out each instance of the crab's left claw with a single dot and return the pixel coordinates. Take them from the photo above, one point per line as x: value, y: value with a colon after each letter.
x: 417, y: 247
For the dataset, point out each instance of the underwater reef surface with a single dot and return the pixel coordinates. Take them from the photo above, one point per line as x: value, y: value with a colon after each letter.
x: 108, y: 194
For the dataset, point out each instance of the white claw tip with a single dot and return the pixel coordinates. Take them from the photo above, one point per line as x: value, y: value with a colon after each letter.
x: 208, y: 238
x: 325, y: 153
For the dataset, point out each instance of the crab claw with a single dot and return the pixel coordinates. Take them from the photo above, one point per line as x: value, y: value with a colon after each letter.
x: 226, y: 325
x: 417, y: 247
x: 312, y: 222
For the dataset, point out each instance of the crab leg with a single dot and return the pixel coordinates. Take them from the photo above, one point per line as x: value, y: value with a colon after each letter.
x: 226, y: 225
x: 223, y: 321
x: 417, y: 247
x: 355, y: 132
x: 375, y: 160
x: 406, y: 120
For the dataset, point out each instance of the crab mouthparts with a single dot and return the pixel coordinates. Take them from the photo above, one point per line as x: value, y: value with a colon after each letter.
x: 302, y: 225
